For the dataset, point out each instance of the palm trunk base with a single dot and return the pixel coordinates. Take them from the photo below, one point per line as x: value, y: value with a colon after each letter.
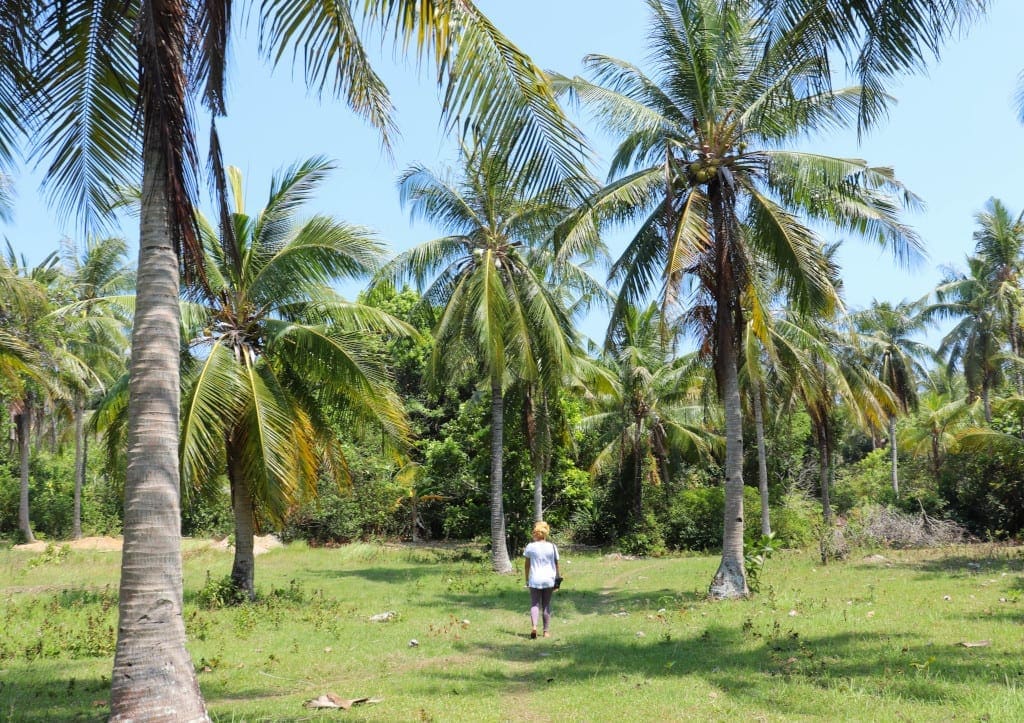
x: 730, y: 582
x: 242, y: 573
x: 242, y: 569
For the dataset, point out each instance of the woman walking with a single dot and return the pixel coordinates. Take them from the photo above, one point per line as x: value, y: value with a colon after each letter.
x: 541, y: 572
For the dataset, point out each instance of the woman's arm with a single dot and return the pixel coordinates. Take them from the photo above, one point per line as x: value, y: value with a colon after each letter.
x: 528, y: 572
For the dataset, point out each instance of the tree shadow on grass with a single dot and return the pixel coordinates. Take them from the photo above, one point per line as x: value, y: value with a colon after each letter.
x: 53, y: 690
x: 959, y: 565
x: 578, y: 601
x: 741, y: 664
x: 390, y: 574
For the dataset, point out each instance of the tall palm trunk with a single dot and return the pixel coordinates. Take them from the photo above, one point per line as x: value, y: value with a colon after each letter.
x: 730, y: 580
x: 537, y: 456
x: 638, y: 474
x: 824, y: 476
x: 894, y: 452
x: 1014, y: 337
x: 762, y: 457
x: 76, y: 517
x: 499, y: 545
x: 153, y: 678
x: 23, y: 430
x: 244, y: 511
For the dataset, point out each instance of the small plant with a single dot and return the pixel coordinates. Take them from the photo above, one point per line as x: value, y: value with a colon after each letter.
x: 217, y: 594
x: 52, y: 555
x: 755, y: 555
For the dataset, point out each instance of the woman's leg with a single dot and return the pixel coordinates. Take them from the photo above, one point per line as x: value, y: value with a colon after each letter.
x: 546, y: 600
x: 536, y: 596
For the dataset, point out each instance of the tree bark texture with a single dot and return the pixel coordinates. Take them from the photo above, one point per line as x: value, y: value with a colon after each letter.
x: 824, y: 474
x: 762, y: 459
x: 24, y: 427
x: 153, y: 678
x: 730, y: 581
x: 244, y: 511
x: 76, y: 516
x: 499, y: 545
x: 894, y: 453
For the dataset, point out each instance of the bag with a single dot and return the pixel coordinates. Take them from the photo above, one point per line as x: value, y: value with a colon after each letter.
x: 558, y: 582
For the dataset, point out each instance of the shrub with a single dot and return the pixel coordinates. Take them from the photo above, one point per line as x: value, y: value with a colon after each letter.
x: 796, y: 519
x: 868, y: 480
x: 696, y: 518
x: 102, y: 507
x: 369, y: 509
x: 208, y: 517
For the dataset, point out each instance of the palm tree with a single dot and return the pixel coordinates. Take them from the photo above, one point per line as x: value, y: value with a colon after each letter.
x: 277, y: 350
x: 94, y: 332
x: 974, y: 343
x: 883, y: 336
x: 86, y: 127
x: 999, y: 242
x: 42, y: 370
x: 714, y: 188
x: 23, y: 313
x: 497, y: 298
x: 757, y: 367
x: 876, y: 39
x: 942, y: 412
x: 825, y: 372
x: 489, y: 81
x: 653, y: 411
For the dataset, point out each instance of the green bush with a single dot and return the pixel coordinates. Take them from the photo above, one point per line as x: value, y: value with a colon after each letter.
x: 370, y: 509
x: 696, y: 518
x: 868, y: 480
x: 795, y: 521
x: 9, y: 495
x: 209, y: 517
x: 102, y: 506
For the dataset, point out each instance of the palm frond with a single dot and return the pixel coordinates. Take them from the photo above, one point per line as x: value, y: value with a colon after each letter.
x: 85, y: 106
x: 325, y: 38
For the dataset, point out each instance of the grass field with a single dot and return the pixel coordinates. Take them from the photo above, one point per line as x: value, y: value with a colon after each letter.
x: 878, y: 637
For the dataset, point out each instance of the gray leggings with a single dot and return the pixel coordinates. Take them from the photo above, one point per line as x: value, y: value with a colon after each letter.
x: 540, y: 598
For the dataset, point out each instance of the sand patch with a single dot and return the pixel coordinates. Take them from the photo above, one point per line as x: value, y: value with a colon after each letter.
x: 261, y: 544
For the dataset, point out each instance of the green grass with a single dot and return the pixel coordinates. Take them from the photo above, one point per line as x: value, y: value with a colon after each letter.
x: 632, y: 639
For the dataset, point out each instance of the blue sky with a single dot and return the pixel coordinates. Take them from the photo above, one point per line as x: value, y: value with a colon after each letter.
x: 953, y: 138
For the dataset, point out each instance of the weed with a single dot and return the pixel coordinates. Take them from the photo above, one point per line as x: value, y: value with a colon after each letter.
x: 755, y: 555
x: 52, y: 555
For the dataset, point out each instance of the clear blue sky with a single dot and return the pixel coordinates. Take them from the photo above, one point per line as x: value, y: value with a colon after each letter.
x: 953, y: 138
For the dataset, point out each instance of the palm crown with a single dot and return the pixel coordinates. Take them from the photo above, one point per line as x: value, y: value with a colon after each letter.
x: 278, y: 347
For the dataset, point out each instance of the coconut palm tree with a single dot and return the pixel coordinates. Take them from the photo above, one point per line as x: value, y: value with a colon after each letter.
x: 974, y: 343
x: 825, y: 372
x: 41, y: 370
x: 875, y: 39
x: 489, y: 81
x: 942, y: 413
x: 883, y: 338
x: 486, y: 275
x: 24, y: 363
x: 278, y: 347
x: 86, y: 127
x: 999, y: 242
x: 94, y: 331
x: 713, y: 185
x: 652, y: 414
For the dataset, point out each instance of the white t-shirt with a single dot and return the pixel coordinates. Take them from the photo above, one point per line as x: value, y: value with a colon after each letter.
x: 542, y: 555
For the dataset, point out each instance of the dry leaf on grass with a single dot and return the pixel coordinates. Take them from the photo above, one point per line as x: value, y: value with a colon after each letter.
x: 976, y: 644
x: 330, y: 700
